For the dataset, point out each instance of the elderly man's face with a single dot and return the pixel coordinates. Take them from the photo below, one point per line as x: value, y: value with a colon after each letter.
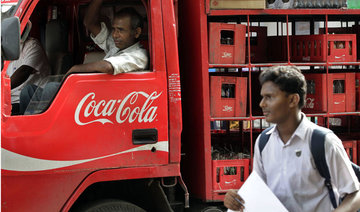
x: 122, y: 33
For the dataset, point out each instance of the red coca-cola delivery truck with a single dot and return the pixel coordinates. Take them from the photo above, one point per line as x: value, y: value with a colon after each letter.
x: 104, y: 141
x: 149, y: 140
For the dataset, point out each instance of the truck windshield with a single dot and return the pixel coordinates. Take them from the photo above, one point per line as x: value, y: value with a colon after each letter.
x: 8, y: 8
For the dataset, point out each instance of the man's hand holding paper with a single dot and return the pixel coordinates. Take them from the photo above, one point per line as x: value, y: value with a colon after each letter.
x: 233, y: 201
x: 255, y: 196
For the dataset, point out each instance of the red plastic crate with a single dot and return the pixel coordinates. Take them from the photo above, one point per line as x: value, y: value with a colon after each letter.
x: 316, y: 95
x: 351, y: 149
x: 313, y: 48
x: 277, y: 48
x: 341, y: 93
x: 224, y: 105
x: 222, y: 180
x: 258, y: 44
x: 343, y: 101
x: 355, y: 29
x: 342, y: 48
x: 226, y: 51
x: 308, y: 48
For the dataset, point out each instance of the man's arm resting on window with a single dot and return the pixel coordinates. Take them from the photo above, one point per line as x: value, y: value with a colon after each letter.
x: 351, y: 203
x: 21, y: 75
x: 98, y: 66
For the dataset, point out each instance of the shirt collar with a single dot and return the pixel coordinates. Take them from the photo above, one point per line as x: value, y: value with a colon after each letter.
x: 300, y: 130
x: 131, y: 48
x: 271, y: 130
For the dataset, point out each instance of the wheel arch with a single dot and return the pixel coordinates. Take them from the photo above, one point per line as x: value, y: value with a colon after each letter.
x: 122, y: 176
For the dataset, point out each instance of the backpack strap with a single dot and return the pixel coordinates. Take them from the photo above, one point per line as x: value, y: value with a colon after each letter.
x: 356, y: 169
x: 264, y: 138
x: 317, y: 147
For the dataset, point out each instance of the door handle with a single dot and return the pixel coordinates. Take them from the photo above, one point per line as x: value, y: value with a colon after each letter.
x: 144, y: 136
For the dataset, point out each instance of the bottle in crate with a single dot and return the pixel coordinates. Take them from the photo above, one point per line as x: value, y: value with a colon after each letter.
x: 228, y: 96
x: 270, y: 4
x: 309, y: 4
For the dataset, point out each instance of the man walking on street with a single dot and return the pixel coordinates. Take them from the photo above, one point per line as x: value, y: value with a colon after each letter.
x: 286, y: 164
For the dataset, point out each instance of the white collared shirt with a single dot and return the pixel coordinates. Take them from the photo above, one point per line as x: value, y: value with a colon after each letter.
x: 133, y: 58
x: 32, y: 54
x: 289, y: 171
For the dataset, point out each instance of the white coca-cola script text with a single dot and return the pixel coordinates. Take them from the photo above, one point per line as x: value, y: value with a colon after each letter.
x: 129, y: 109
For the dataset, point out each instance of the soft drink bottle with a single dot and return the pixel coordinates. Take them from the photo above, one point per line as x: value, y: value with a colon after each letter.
x: 298, y: 4
x: 327, y: 4
x: 335, y: 4
x: 287, y: 4
x: 340, y: 87
x: 309, y: 3
x: 229, y: 41
x: 270, y: 4
x: 317, y: 4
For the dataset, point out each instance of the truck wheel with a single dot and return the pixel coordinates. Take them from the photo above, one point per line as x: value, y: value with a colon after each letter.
x: 112, y: 206
x: 211, y: 209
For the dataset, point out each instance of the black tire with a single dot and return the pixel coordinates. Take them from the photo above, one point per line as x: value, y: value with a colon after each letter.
x: 111, y: 205
x: 212, y: 209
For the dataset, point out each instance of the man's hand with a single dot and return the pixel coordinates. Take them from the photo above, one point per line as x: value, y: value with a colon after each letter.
x: 350, y: 203
x: 71, y: 70
x: 233, y: 201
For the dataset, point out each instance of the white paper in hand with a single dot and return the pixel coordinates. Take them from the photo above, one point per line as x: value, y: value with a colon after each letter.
x: 258, y: 197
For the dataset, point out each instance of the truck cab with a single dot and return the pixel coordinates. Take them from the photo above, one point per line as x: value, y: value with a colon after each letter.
x: 102, y: 139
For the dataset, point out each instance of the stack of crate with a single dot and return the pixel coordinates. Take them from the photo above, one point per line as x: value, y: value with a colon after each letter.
x: 334, y: 92
x: 341, y: 89
x: 340, y: 93
x: 228, y: 93
x: 228, y: 99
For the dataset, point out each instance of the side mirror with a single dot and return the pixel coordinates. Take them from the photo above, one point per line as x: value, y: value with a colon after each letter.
x: 10, y: 39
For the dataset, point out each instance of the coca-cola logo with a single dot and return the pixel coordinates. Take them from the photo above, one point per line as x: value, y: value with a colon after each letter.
x: 309, y: 103
x: 130, y: 109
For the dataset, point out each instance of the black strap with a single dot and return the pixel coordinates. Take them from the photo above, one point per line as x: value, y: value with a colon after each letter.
x: 356, y: 169
x: 318, y: 152
x: 264, y: 139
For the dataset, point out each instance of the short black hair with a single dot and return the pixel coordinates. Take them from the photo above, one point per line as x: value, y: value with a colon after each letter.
x: 136, y: 18
x: 288, y: 78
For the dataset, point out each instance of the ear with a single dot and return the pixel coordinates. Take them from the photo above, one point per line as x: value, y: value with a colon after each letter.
x: 137, y: 32
x: 294, y: 100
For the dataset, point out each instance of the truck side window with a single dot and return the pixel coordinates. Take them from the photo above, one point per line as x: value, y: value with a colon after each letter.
x: 68, y: 42
x: 94, y: 52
